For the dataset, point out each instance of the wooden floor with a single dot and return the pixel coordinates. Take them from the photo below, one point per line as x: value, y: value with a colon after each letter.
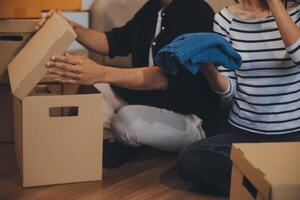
x: 150, y: 176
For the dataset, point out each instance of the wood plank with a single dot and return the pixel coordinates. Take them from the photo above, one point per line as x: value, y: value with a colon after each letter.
x: 150, y: 176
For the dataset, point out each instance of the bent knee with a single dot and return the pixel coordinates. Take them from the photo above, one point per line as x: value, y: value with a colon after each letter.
x: 184, y: 166
x: 127, y: 114
x: 193, y: 159
x: 121, y: 128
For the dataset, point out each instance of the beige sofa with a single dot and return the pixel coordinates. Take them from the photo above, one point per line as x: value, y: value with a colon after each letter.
x: 106, y: 14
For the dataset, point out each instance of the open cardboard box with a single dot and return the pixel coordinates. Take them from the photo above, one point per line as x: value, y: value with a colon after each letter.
x: 53, y: 148
x: 14, y: 34
x: 265, y: 171
x: 20, y: 9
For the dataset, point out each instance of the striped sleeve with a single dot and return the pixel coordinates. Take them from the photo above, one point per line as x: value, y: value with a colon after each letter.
x: 222, y: 23
x: 294, y: 49
x: 294, y: 52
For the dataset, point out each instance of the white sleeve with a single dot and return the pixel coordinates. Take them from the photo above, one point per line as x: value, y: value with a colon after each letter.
x: 222, y: 23
x: 294, y: 49
x: 294, y: 52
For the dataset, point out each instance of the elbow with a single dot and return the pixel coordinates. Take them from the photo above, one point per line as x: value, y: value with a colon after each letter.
x: 162, y: 84
x: 156, y: 81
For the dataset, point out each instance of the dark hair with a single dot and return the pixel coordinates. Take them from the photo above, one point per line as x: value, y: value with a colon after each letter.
x: 263, y: 4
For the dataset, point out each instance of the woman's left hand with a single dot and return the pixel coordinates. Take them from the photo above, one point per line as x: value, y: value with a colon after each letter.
x: 289, y: 31
x: 274, y: 1
x: 75, y: 69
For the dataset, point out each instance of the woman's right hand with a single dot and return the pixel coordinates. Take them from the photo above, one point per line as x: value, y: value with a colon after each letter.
x: 43, y: 21
x: 215, y: 79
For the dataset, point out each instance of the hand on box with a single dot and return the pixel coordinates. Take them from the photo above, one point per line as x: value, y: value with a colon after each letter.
x: 48, y: 16
x: 75, y: 69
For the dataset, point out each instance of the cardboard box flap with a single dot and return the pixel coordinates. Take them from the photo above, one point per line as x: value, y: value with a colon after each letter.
x: 29, y: 66
x: 18, y: 26
x: 254, y: 175
x: 277, y: 163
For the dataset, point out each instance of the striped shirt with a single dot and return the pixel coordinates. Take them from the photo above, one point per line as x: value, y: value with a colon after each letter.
x: 265, y: 91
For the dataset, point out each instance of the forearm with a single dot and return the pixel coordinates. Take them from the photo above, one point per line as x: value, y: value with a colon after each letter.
x: 215, y: 79
x: 289, y: 31
x: 92, y: 39
x: 147, y: 78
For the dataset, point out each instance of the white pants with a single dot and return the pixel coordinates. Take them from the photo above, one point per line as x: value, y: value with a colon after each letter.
x: 136, y: 125
x: 111, y: 103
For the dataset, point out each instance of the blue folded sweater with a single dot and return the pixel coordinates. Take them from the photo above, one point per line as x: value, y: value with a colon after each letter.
x: 193, y: 49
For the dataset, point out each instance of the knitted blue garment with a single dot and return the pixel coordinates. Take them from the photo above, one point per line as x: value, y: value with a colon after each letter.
x: 193, y: 49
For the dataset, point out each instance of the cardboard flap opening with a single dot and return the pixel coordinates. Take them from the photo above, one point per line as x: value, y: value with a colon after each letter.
x: 12, y: 38
x: 29, y: 66
x: 250, y: 187
x: 67, y: 111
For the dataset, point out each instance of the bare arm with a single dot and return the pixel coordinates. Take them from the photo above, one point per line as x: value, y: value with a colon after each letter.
x: 92, y: 39
x: 81, y: 70
x: 215, y: 79
x: 289, y: 31
x: 147, y: 78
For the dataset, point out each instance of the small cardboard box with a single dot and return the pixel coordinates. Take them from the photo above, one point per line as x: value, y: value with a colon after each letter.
x: 265, y: 171
x: 14, y: 34
x: 20, y: 9
x: 63, y: 5
x: 6, y: 122
x: 53, y: 148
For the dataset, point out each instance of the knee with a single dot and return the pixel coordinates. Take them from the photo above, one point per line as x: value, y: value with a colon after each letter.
x: 196, y: 161
x: 203, y: 163
x: 126, y: 114
x: 121, y: 127
x: 184, y: 165
x: 189, y: 161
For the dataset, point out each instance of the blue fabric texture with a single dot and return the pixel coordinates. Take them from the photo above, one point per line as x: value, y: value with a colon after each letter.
x: 193, y: 49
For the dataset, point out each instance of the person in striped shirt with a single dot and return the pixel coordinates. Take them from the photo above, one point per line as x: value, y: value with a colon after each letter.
x: 264, y: 93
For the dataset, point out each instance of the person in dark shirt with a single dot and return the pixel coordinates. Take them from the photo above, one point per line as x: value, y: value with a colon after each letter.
x: 148, y: 107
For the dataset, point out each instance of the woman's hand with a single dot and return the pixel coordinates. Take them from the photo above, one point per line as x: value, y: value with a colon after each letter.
x: 272, y: 2
x: 76, y: 69
x: 289, y: 31
x: 48, y: 16
x: 215, y: 79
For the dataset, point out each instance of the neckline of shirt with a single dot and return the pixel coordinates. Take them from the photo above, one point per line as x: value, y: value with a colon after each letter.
x: 237, y: 18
